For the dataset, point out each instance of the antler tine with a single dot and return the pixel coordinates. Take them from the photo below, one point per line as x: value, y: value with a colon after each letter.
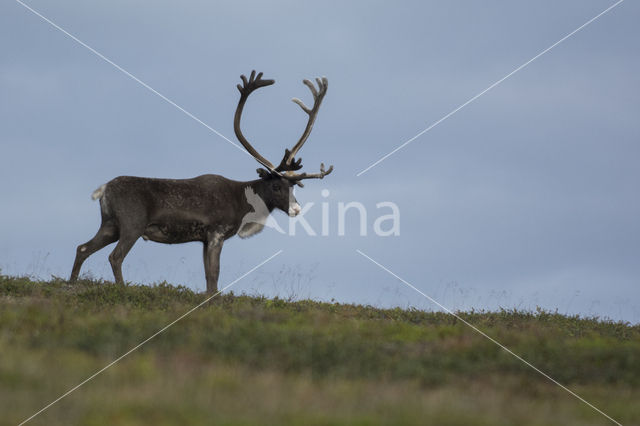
x: 312, y: 87
x: 294, y: 165
x: 302, y: 105
x: 246, y: 88
x: 298, y: 177
x: 318, y: 95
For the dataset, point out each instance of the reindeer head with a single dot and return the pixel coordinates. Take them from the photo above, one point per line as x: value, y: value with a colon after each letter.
x: 277, y: 192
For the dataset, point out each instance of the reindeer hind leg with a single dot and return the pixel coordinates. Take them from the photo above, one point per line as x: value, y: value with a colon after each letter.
x: 127, y: 239
x: 107, y: 234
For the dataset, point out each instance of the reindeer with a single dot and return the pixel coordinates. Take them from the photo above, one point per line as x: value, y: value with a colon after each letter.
x: 207, y: 208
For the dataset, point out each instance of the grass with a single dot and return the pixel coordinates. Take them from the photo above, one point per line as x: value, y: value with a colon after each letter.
x: 249, y: 360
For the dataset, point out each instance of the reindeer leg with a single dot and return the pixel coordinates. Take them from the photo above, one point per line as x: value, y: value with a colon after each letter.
x: 127, y: 240
x: 106, y: 235
x: 211, y: 254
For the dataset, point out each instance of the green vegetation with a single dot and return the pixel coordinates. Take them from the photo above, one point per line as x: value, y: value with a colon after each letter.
x: 245, y: 360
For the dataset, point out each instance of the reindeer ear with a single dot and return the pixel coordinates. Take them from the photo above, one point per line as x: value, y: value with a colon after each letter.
x: 263, y: 173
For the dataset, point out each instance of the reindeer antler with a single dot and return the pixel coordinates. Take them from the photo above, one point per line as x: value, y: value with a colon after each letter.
x: 288, y: 165
x: 318, y: 96
x: 248, y: 86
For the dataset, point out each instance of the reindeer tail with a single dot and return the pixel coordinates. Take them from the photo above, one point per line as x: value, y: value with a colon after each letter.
x: 98, y: 193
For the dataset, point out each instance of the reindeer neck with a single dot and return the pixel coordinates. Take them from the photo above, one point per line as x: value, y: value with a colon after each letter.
x: 261, y: 188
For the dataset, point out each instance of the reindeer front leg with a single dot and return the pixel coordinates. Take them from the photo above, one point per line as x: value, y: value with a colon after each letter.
x: 211, y: 254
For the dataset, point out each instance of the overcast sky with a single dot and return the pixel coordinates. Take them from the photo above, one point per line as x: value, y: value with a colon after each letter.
x: 526, y: 197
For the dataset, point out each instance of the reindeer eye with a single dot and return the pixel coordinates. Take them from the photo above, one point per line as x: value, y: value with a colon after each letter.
x: 276, y: 187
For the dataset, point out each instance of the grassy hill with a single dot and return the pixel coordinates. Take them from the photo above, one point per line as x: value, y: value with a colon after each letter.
x: 245, y: 360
